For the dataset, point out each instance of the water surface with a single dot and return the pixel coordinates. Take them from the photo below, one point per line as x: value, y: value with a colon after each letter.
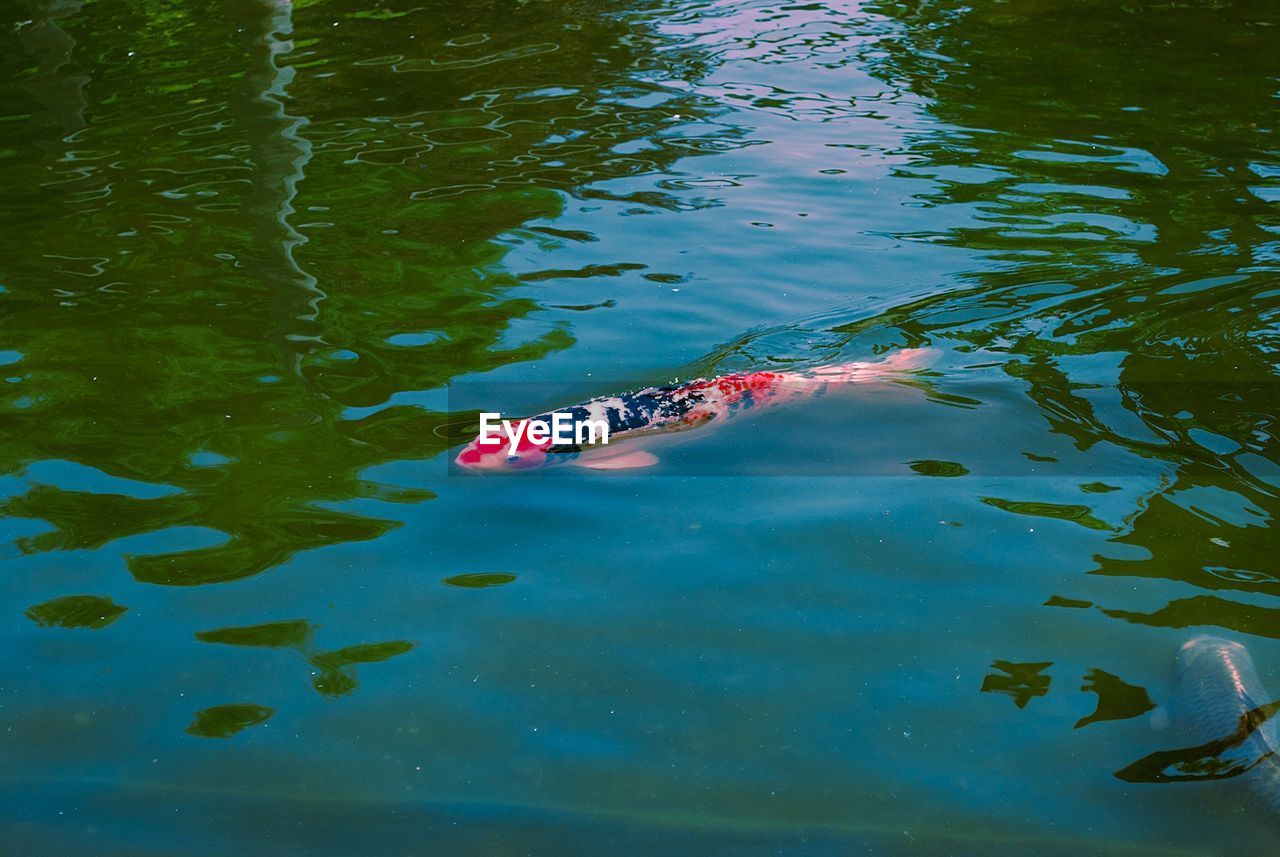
x: 252, y: 252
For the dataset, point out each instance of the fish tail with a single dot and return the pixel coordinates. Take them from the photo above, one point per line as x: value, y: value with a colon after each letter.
x: 899, y: 362
x: 909, y: 359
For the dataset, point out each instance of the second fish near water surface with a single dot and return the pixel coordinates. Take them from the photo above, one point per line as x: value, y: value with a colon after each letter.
x: 641, y: 417
x: 1225, y: 718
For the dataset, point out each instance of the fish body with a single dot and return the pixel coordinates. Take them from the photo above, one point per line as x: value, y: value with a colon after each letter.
x: 1219, y: 701
x: 665, y: 409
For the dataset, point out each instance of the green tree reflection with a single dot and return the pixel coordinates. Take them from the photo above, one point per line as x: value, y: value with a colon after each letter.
x: 333, y: 671
x: 1118, y: 173
x: 238, y: 247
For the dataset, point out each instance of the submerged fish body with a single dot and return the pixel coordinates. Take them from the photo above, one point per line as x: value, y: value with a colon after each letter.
x: 1220, y: 705
x: 1215, y: 684
x: 654, y: 411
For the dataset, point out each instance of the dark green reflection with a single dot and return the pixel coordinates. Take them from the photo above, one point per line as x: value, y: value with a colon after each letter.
x: 335, y: 677
x: 1117, y: 699
x: 223, y: 721
x: 1081, y: 515
x: 939, y: 468
x: 1209, y: 610
x: 76, y: 611
x: 1020, y: 682
x: 289, y: 634
x: 242, y: 257
x: 1059, y: 601
x: 365, y: 654
x: 1117, y: 175
x: 1211, y: 551
x: 334, y: 674
x: 1219, y: 759
x: 479, y: 580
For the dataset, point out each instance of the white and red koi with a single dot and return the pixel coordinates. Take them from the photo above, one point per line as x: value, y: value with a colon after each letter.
x: 661, y: 410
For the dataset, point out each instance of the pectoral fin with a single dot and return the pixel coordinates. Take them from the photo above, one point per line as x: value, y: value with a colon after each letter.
x: 623, y: 461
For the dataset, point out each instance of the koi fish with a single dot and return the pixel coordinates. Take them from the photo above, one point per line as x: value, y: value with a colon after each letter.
x: 662, y: 410
x: 1220, y: 706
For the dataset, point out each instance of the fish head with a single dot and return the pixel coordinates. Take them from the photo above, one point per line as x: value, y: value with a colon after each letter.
x: 1203, y: 649
x: 494, y: 453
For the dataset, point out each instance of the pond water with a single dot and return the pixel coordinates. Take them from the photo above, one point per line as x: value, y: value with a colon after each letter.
x: 262, y: 262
